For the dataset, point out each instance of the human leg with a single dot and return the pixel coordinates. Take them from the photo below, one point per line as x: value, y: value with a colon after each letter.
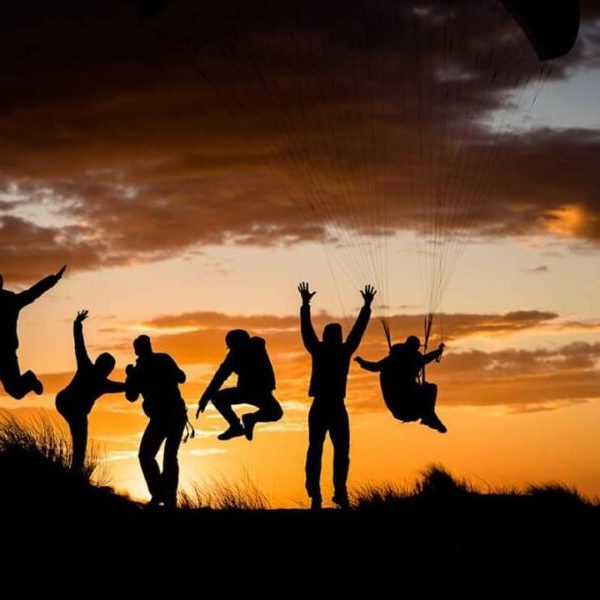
x: 170, y: 474
x: 152, y: 439
x: 269, y: 410
x: 78, y: 425
x: 339, y: 433
x: 16, y: 384
x: 317, y: 430
x: 223, y: 401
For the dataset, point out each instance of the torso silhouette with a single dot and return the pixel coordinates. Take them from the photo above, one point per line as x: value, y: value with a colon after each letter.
x: 251, y: 364
x: 11, y: 304
x: 87, y: 384
x: 156, y: 377
x: 331, y: 361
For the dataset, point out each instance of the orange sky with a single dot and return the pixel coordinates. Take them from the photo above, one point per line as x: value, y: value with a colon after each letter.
x: 193, y: 170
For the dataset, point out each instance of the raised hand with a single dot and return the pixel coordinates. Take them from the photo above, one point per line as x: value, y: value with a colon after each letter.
x: 368, y: 294
x: 59, y: 273
x: 82, y: 315
x: 305, y: 293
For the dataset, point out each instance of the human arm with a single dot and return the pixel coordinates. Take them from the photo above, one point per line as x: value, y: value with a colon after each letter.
x: 368, y: 365
x: 37, y: 289
x: 114, y: 387
x: 178, y: 374
x: 221, y: 374
x: 434, y: 355
x: 81, y: 354
x: 309, y: 337
x: 132, y: 390
x: 360, y: 325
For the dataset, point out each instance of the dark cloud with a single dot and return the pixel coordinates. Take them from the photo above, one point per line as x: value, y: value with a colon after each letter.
x: 260, y: 123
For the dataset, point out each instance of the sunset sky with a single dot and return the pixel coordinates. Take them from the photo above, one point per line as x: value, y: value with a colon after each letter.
x: 192, y: 168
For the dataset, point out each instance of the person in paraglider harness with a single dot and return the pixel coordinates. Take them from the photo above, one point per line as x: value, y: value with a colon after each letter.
x: 408, y: 398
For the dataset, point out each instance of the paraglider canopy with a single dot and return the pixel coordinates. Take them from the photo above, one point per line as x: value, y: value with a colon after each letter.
x: 552, y: 26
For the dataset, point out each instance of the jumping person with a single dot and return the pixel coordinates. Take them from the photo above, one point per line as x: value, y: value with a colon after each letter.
x: 90, y: 382
x: 16, y: 384
x: 408, y: 398
x: 156, y: 377
x: 330, y: 365
x: 248, y: 358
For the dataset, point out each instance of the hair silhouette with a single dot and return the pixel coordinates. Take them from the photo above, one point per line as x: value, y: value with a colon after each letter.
x: 249, y: 360
x: 329, y: 376
x: 156, y: 377
x: 90, y: 382
x: 15, y: 383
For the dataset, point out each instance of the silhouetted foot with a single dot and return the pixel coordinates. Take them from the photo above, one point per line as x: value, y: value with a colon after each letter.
x: 434, y: 422
x: 341, y: 500
x: 249, y: 423
x: 315, y: 503
x: 233, y: 431
x: 154, y: 503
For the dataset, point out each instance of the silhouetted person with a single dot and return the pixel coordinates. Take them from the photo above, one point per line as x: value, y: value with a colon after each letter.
x: 90, y: 382
x: 330, y: 365
x: 406, y: 397
x: 156, y: 377
x: 16, y: 384
x: 248, y: 359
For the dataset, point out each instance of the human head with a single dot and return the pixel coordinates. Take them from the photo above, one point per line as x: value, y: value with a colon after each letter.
x: 105, y: 363
x: 236, y: 338
x: 142, y: 345
x: 413, y: 343
x: 397, y: 349
x: 332, y: 334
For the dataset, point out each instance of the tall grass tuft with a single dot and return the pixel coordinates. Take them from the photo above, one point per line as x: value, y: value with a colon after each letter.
x: 437, y: 482
x: 221, y: 494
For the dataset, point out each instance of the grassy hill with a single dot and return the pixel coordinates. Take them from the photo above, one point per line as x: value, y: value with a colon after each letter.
x: 441, y: 521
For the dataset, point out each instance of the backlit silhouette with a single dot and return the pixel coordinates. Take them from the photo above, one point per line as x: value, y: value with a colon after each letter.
x: 248, y: 359
x: 16, y: 384
x: 330, y: 365
x: 90, y: 382
x: 408, y: 398
x: 156, y: 377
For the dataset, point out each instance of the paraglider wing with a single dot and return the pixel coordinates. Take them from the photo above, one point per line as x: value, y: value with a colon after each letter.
x: 148, y: 8
x: 552, y: 26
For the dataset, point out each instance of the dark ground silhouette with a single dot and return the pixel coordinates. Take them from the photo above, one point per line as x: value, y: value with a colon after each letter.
x: 90, y: 382
x: 328, y: 380
x: 156, y: 377
x: 384, y: 541
x: 248, y: 359
x: 17, y: 384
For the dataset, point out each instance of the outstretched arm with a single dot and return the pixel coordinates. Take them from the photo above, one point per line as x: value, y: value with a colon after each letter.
x: 35, y: 291
x: 81, y: 354
x: 114, y: 387
x: 222, y: 373
x: 309, y: 337
x: 367, y: 365
x: 434, y: 355
x: 359, y: 327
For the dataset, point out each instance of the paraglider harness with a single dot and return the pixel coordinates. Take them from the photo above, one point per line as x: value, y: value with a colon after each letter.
x: 409, y: 413
x: 189, y: 431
